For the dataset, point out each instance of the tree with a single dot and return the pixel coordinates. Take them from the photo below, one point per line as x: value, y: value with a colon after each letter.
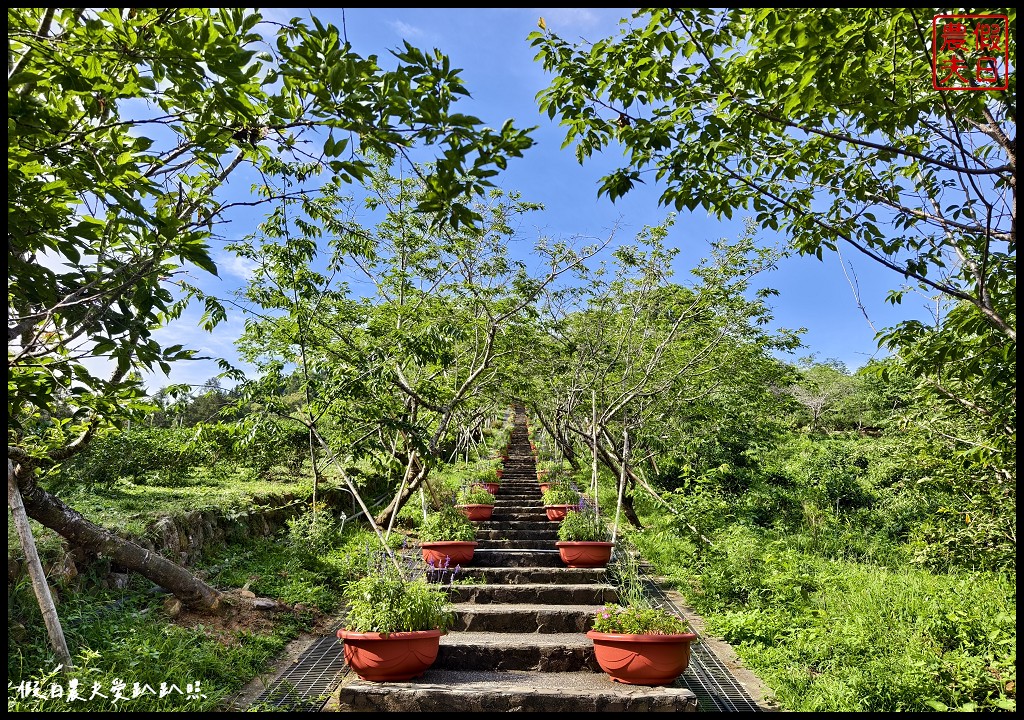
x: 125, y: 128
x: 824, y: 124
x: 635, y: 355
x: 824, y: 390
x: 396, y: 338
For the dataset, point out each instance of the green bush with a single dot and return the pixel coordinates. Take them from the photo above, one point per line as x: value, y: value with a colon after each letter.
x: 474, y: 495
x: 387, y: 602
x: 583, y: 525
x: 561, y: 493
x: 314, y: 533
x: 638, y: 620
x: 448, y: 524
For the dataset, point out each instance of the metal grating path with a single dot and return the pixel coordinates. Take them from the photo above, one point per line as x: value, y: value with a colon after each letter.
x: 307, y: 685
x: 716, y: 688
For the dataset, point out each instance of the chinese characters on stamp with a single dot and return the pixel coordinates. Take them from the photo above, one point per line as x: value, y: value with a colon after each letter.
x: 970, y: 52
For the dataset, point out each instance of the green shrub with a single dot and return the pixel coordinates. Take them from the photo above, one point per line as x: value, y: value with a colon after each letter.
x: 561, y: 493
x: 387, y: 602
x: 474, y: 495
x: 314, y: 533
x: 583, y: 525
x: 638, y: 620
x: 448, y: 524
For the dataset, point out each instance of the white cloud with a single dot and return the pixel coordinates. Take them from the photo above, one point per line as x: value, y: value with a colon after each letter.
x: 239, y: 267
x: 406, y: 30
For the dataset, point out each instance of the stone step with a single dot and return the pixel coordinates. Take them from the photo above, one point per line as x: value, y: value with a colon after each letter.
x: 515, y: 525
x: 532, y: 593
x: 517, y: 558
x: 530, y: 575
x: 548, y: 534
x: 525, y: 618
x: 517, y: 544
x: 444, y: 691
x: 539, y: 652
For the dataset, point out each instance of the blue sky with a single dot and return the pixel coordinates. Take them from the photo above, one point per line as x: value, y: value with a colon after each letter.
x: 499, y: 70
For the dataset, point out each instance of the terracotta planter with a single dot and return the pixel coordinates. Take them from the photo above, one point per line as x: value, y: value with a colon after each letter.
x: 391, y: 657
x: 557, y: 512
x: 544, y: 487
x: 447, y: 553
x: 584, y: 554
x: 477, y: 512
x: 499, y: 472
x: 491, y: 487
x: 642, y: 659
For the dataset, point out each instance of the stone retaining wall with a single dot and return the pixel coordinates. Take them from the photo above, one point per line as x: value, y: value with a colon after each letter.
x: 184, y: 538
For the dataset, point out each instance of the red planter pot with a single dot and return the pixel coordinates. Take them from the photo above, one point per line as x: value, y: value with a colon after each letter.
x: 491, y: 487
x: 499, y: 472
x: 448, y: 553
x: 391, y: 657
x: 477, y: 512
x: 544, y: 487
x: 557, y: 512
x: 584, y: 554
x: 642, y: 659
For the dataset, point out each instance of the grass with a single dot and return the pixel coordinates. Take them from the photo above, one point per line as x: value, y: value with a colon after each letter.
x: 838, y: 635
x: 123, y: 646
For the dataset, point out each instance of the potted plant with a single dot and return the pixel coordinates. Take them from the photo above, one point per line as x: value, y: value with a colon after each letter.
x: 488, y: 479
x: 559, y: 499
x: 447, y: 537
x: 583, y: 537
x: 393, y: 625
x: 475, y: 502
x: 640, y: 644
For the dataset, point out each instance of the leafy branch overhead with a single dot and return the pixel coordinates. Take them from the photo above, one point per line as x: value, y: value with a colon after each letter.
x: 125, y: 128
x: 821, y: 121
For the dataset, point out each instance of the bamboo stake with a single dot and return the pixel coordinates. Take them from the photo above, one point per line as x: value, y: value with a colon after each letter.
x: 35, y: 570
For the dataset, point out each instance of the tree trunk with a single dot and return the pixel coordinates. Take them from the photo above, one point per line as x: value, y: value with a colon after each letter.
x: 51, y: 512
x: 35, y: 571
x: 568, y: 452
x: 614, y: 464
x: 399, y: 501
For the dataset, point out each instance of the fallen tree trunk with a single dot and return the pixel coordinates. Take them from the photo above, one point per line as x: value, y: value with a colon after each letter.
x: 50, y: 511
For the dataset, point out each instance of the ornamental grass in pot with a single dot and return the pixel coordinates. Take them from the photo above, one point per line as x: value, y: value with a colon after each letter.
x: 559, y: 499
x: 641, y: 644
x: 639, y: 640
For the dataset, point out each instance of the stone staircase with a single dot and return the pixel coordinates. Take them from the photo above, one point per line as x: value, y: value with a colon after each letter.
x: 519, y: 642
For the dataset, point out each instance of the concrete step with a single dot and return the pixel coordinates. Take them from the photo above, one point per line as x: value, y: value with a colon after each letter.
x: 532, y: 575
x: 564, y: 594
x: 539, y: 652
x: 525, y: 618
x: 447, y: 691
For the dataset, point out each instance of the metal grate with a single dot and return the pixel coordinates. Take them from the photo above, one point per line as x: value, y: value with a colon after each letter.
x: 307, y: 685
x: 716, y: 688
